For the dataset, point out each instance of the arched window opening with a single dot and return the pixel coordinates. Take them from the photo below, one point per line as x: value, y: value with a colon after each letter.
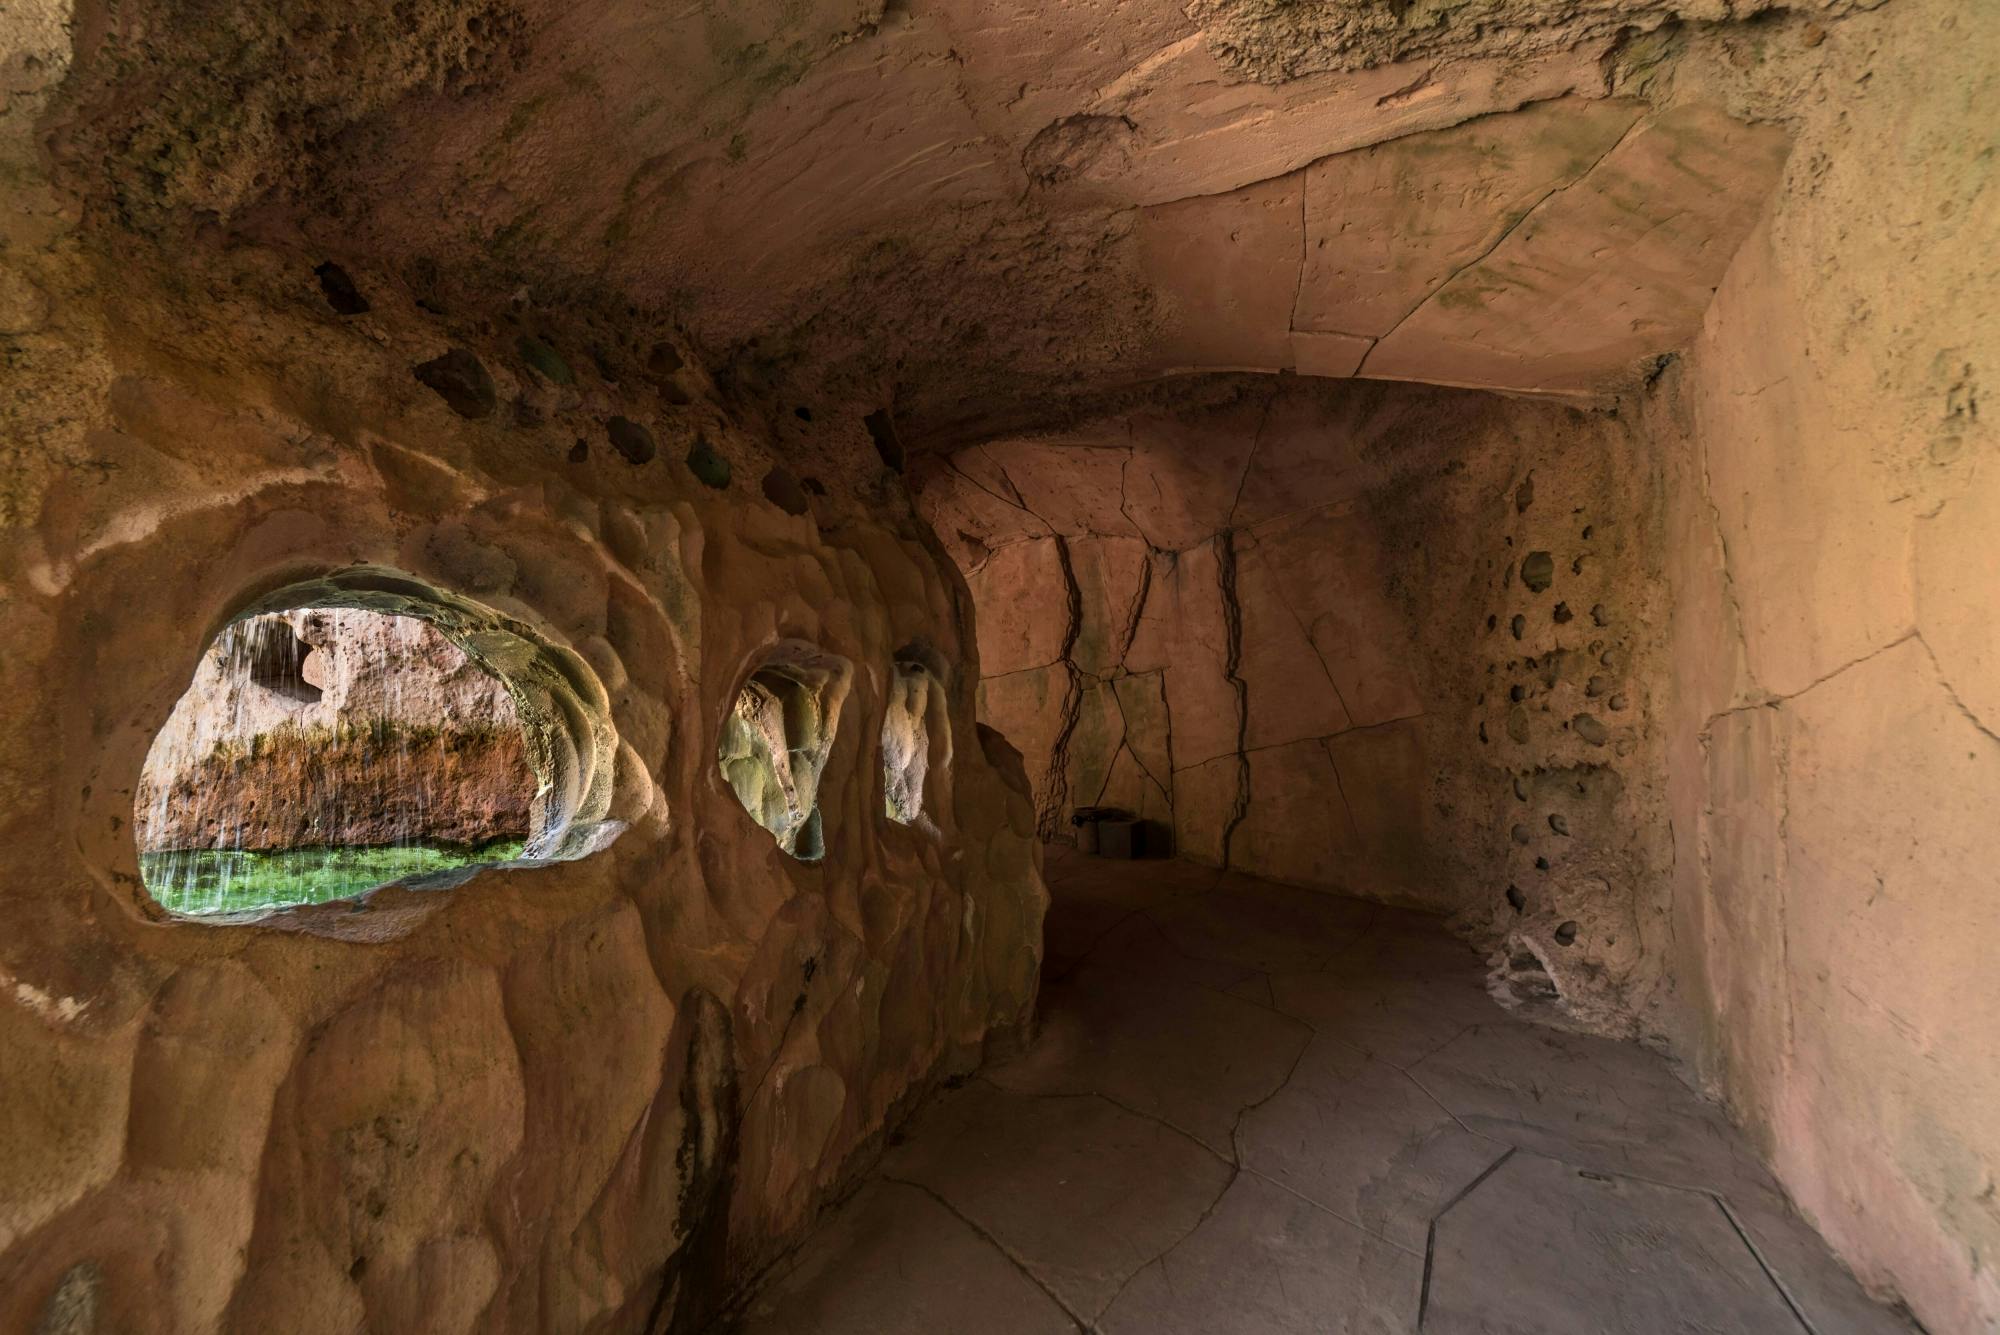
x: 363, y: 730
x: 914, y: 726
x: 776, y: 740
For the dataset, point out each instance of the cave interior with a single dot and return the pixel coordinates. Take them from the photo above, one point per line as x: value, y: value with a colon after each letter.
x: 1210, y: 666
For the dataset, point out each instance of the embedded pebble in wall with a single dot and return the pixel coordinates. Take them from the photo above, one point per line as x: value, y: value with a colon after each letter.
x: 707, y: 464
x: 1591, y: 729
x: 460, y: 379
x: 783, y: 490
x: 633, y: 442
x: 546, y: 362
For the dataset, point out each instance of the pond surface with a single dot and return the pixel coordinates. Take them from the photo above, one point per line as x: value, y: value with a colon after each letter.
x: 231, y: 880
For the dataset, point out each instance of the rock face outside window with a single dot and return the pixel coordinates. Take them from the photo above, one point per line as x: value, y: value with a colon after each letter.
x: 323, y: 751
x: 906, y: 743
x: 776, y: 740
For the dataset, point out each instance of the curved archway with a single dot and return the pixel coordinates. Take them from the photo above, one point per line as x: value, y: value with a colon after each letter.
x: 365, y: 728
x: 916, y: 735
x: 777, y: 737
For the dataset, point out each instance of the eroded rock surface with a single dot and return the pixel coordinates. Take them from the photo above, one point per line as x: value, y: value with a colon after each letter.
x: 335, y: 726
x: 1318, y: 634
x: 641, y: 327
x: 590, y: 1095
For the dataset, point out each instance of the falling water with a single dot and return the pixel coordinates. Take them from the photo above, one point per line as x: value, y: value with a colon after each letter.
x: 296, y: 772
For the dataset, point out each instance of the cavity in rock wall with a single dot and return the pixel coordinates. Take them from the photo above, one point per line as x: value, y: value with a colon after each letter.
x: 335, y: 727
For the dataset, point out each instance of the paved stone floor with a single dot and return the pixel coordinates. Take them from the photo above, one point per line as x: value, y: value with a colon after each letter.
x: 1254, y: 1108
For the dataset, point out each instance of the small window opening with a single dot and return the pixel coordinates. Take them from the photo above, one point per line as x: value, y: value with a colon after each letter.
x: 776, y: 740
x: 390, y: 733
x: 914, y: 726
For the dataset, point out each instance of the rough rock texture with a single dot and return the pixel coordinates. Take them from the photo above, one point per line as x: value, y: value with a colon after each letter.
x: 345, y: 787
x: 1834, y: 744
x: 959, y: 205
x: 592, y: 1095
x: 609, y: 276
x: 1272, y: 40
x: 1288, y: 626
x: 335, y: 726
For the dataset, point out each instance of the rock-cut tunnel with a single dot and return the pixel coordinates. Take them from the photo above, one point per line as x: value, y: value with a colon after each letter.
x: 958, y: 666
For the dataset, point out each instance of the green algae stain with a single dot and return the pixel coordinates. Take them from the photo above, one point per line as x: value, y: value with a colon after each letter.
x: 240, y: 880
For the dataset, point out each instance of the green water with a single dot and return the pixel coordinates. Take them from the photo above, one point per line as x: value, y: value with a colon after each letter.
x: 228, y: 880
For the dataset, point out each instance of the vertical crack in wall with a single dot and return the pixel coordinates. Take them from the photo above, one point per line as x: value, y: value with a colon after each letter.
x: 1055, y: 793
x: 1232, y: 618
x: 1250, y: 459
x: 1305, y: 250
x: 1137, y: 610
x: 1340, y: 788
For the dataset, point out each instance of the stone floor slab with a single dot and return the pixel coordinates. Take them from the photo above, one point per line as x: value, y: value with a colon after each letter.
x: 1399, y: 1019
x: 1382, y: 1108
x: 1360, y: 1138
x: 1078, y: 1191
x: 1162, y: 1046
x: 1594, y: 1102
x: 1543, y: 1246
x: 1270, y: 1262
x: 893, y: 1261
x: 1262, y: 925
x: 1819, y: 1285
x: 1091, y: 896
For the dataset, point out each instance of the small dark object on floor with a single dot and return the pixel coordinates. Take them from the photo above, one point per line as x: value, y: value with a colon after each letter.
x: 1121, y: 837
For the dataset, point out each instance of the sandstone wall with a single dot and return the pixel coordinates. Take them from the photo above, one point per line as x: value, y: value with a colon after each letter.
x: 1289, y: 624
x: 588, y: 1096
x: 1834, y: 488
